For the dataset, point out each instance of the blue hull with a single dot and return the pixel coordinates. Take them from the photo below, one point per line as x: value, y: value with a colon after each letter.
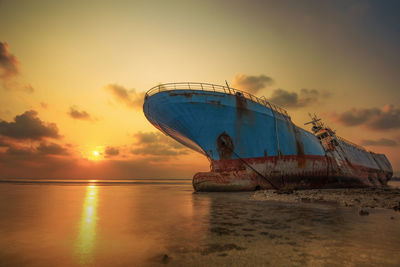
x: 197, y: 118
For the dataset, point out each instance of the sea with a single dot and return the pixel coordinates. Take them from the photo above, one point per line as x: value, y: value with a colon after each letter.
x: 159, y: 222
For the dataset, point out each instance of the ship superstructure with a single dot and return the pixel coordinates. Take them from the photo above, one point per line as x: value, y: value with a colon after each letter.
x: 253, y: 144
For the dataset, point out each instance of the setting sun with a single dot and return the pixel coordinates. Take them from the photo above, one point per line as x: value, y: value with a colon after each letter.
x: 95, y: 155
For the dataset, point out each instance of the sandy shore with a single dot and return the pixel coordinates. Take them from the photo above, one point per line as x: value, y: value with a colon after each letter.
x: 388, y: 198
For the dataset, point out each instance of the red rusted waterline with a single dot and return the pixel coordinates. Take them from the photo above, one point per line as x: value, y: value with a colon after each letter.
x: 294, y: 172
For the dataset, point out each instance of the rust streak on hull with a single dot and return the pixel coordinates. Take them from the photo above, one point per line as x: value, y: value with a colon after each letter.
x: 234, y: 175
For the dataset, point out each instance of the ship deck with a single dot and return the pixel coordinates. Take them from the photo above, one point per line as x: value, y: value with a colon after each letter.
x: 196, y: 86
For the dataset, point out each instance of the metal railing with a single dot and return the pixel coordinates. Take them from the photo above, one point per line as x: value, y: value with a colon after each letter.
x: 214, y: 88
x: 351, y: 143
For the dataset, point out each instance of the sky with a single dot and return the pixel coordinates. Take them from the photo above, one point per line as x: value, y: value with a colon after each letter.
x: 73, y: 75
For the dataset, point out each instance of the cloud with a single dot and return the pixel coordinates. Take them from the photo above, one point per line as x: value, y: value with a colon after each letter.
x: 388, y: 117
x: 28, y: 88
x: 42, y: 159
x: 356, y: 117
x: 79, y: 115
x: 43, y: 149
x: 157, y: 144
x: 44, y: 105
x: 19, y: 151
x: 8, y: 62
x: 51, y: 149
x: 28, y: 126
x: 38, y: 166
x: 130, y: 98
x: 46, y: 159
x: 9, y: 68
x: 295, y: 100
x: 3, y: 142
x: 251, y: 84
x: 111, y: 151
x: 22, y: 162
x: 13, y: 85
x: 379, y: 142
x: 284, y: 98
x: 148, y: 137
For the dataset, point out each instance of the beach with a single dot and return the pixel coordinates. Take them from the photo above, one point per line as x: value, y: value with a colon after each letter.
x: 365, y: 198
x: 163, y: 222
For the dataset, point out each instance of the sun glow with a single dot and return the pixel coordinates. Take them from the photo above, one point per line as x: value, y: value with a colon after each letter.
x: 95, y: 154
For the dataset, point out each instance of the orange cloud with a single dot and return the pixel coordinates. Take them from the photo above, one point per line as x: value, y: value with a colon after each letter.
x: 28, y: 126
x: 24, y: 163
x: 385, y: 118
x: 157, y: 144
x: 295, y: 100
x: 8, y: 62
x: 79, y: 114
x: 251, y: 84
x: 29, y: 154
x: 130, y: 98
x: 379, y: 142
x: 44, y: 105
x: 111, y: 151
x: 42, y: 150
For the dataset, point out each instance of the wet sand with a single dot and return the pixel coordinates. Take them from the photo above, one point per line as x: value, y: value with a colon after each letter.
x: 387, y: 198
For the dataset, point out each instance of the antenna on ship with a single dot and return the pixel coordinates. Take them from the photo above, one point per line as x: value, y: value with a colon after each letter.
x: 316, y: 122
x: 227, y: 85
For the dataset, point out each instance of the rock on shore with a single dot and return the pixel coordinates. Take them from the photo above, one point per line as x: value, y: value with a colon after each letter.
x: 388, y: 198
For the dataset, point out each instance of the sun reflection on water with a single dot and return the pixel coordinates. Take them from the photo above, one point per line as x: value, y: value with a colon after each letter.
x: 87, y: 227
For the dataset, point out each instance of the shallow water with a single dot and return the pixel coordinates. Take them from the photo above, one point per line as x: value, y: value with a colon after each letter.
x: 138, y: 222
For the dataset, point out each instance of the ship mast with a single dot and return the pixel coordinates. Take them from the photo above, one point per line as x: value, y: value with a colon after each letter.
x: 326, y: 135
x: 316, y: 122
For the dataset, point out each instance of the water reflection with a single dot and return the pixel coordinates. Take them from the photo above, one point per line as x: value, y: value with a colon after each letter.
x: 154, y: 224
x: 87, y: 227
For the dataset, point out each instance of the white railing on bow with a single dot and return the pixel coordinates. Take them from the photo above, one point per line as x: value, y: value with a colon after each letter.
x: 214, y: 88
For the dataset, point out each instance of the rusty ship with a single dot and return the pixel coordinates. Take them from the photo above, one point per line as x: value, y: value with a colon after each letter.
x: 253, y: 144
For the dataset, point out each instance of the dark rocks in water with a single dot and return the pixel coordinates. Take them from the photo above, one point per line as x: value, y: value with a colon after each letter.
x: 213, y: 248
x: 230, y: 224
x: 165, y: 259
x: 349, y: 197
x: 221, y: 231
x: 284, y: 190
x: 305, y: 199
x: 271, y: 235
x: 363, y: 213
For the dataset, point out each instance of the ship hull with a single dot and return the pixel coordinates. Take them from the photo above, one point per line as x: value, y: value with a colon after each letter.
x: 253, y: 146
x: 316, y: 172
